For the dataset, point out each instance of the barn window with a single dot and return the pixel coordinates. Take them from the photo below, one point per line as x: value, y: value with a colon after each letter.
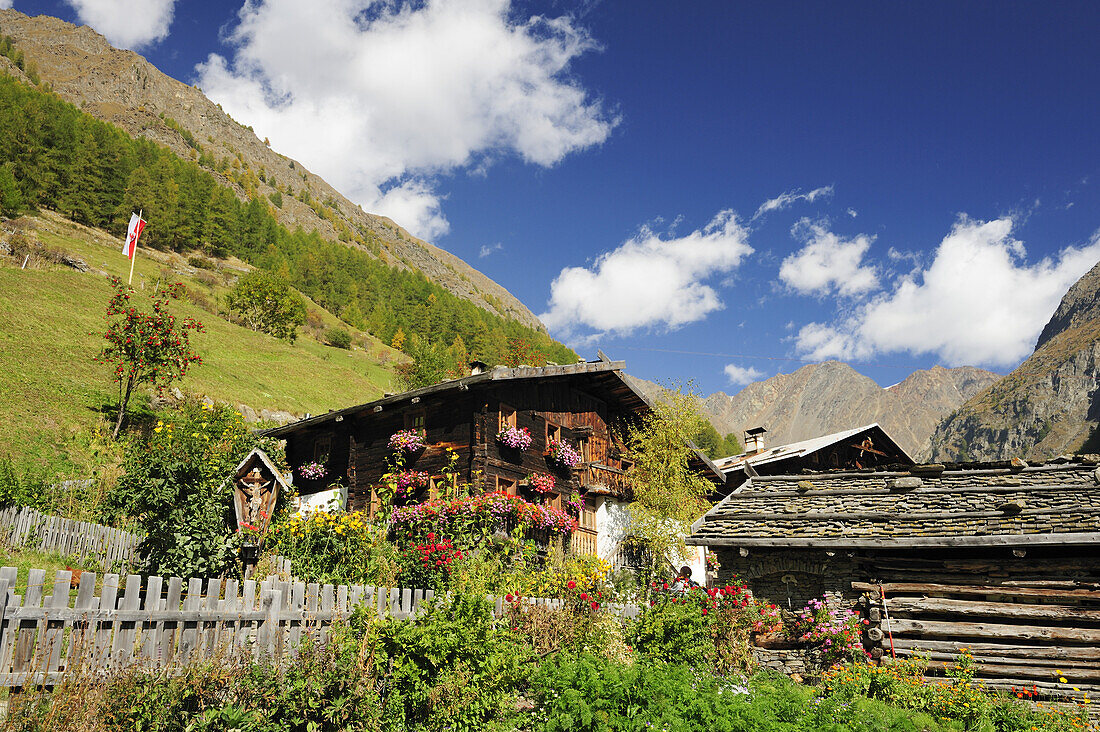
x: 322, y: 446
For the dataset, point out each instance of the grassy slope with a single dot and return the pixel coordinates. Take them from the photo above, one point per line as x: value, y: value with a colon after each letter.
x: 51, y: 390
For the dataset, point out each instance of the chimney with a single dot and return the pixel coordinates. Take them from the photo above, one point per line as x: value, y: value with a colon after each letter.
x: 754, y: 440
x: 478, y: 367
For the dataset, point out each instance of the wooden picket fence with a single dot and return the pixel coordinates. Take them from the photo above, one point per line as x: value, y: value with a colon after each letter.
x: 22, y: 526
x: 160, y: 624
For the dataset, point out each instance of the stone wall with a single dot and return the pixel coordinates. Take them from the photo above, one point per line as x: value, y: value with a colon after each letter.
x: 789, y: 578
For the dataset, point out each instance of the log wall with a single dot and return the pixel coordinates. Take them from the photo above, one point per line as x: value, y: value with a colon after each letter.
x: 1029, y: 616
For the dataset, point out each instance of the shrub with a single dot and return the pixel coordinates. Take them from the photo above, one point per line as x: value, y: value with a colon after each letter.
x: 338, y: 337
x: 450, y: 668
x: 336, y: 547
x: 836, y: 632
x: 587, y: 692
x: 175, y: 485
x: 704, y: 627
x: 428, y: 564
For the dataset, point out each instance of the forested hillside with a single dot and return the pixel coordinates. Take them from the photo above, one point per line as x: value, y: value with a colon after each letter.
x: 56, y: 156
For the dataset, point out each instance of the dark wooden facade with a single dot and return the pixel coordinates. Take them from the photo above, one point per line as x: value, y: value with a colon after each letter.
x: 583, y: 404
x: 1003, y: 559
x: 863, y: 447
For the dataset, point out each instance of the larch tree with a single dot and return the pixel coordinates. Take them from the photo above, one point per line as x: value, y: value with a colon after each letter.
x: 668, y: 494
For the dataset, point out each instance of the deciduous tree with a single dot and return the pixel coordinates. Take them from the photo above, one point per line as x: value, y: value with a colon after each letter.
x: 267, y: 304
x: 668, y: 493
x: 146, y: 347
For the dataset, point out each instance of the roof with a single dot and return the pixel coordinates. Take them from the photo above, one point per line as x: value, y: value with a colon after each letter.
x: 262, y: 456
x: 987, y: 504
x: 604, y: 376
x: 797, y: 449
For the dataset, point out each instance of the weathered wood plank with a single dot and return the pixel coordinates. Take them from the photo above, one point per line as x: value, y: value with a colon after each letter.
x: 904, y: 588
x: 945, y: 629
x: 905, y: 606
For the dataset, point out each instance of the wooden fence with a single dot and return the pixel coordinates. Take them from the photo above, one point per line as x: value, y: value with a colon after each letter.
x: 156, y: 623
x: 22, y: 526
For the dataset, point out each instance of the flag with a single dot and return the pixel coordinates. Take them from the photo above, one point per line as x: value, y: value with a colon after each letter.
x: 133, y: 233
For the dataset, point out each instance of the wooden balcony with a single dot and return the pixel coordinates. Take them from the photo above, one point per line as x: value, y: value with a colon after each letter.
x: 583, y: 542
x: 604, y: 479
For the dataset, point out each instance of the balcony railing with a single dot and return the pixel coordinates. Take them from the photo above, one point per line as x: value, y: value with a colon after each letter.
x: 603, y: 477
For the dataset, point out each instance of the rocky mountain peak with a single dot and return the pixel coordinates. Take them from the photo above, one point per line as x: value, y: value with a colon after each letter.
x: 1079, y: 305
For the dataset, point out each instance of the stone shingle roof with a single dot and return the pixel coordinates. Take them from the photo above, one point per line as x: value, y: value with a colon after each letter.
x: 977, y: 505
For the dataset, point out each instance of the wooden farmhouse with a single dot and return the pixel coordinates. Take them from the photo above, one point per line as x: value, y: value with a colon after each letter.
x: 999, y: 558
x: 581, y: 405
x: 863, y: 447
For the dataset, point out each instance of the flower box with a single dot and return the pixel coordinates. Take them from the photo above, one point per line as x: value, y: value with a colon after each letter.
x: 407, y: 441
x: 563, y: 454
x: 516, y: 438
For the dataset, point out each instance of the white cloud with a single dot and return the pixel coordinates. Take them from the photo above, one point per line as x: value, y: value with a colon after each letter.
x: 828, y: 263
x: 648, y: 281
x: 979, y: 302
x: 125, y: 23
x: 406, y: 91
x: 784, y: 200
x: 487, y: 249
x: 740, y: 376
x: 5, y: 4
x: 852, y: 212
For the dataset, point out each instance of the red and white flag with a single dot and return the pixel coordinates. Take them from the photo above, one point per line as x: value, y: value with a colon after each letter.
x: 133, y: 233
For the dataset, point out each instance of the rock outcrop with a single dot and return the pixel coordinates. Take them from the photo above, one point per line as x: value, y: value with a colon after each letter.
x: 1047, y: 406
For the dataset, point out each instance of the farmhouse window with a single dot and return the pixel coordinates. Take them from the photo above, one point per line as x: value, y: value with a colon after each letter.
x: 507, y: 417
x: 415, y: 420
x: 553, y: 432
x: 506, y: 485
x: 587, y: 518
x: 322, y: 446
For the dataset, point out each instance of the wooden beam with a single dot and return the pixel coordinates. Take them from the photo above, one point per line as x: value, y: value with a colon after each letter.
x: 947, y: 629
x: 1046, y: 652
x: 1050, y: 664
x: 895, y: 588
x: 902, y: 606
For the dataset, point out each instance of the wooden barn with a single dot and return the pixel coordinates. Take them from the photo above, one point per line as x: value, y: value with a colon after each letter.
x: 580, y: 405
x: 868, y: 446
x: 999, y: 558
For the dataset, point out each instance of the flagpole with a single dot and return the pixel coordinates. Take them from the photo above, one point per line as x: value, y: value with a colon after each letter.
x: 133, y: 257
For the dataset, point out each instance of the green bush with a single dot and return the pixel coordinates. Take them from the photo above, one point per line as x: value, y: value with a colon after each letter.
x: 338, y: 337
x: 267, y: 304
x: 336, y: 547
x: 450, y: 669
x: 175, y: 485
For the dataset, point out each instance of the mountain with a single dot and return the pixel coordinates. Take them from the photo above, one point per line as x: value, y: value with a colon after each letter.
x: 1050, y: 404
x: 827, y: 397
x: 122, y: 88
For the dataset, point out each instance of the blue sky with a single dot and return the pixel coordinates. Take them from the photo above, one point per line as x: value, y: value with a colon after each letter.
x: 713, y: 191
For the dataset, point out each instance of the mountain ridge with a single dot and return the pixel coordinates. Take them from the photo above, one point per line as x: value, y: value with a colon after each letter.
x: 828, y: 397
x: 125, y: 89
